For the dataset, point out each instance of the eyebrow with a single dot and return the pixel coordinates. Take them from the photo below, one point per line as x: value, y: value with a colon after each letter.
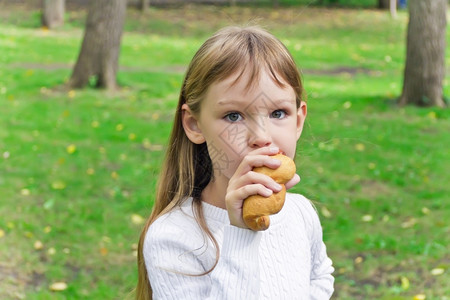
x: 228, y: 102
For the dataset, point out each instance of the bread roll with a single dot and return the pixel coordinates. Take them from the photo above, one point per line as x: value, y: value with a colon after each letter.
x: 257, y: 208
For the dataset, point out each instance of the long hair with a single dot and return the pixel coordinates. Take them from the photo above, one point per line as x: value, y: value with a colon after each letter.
x: 187, y: 168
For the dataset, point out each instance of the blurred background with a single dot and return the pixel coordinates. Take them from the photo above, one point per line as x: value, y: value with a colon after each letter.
x: 88, y: 91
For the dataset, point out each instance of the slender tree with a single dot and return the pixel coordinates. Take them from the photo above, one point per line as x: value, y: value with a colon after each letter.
x: 383, y: 4
x: 99, y: 55
x: 425, y: 54
x: 52, y: 13
x: 143, y: 4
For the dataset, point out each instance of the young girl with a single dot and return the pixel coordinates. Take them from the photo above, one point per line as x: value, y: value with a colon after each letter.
x: 240, y: 103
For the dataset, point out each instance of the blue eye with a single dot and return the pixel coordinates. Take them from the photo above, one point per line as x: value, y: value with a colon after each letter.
x: 278, y: 114
x: 233, y: 117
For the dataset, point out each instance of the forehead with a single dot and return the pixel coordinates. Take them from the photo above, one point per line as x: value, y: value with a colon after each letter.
x: 244, y: 86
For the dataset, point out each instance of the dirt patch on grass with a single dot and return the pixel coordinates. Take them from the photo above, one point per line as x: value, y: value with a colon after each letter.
x: 181, y: 69
x: 352, y: 71
x: 373, y: 188
x: 12, y: 282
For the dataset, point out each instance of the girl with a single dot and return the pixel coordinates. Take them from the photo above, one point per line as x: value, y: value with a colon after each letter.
x: 240, y: 103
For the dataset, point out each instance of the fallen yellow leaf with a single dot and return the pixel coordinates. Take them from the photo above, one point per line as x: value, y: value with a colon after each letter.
x: 137, y: 219
x: 405, y: 282
x: 360, y: 147
x: 71, y: 148
x: 58, y: 185
x: 71, y: 93
x: 103, y: 251
x: 409, y: 223
x: 358, y: 260
x: 325, y: 212
x: 25, y: 192
x: 6, y: 154
x: 58, y: 286
x: 425, y: 210
x: 432, y: 115
x: 367, y: 218
x: 38, y: 245
x: 119, y: 127
x: 420, y: 297
x: 2, y: 233
x: 437, y: 271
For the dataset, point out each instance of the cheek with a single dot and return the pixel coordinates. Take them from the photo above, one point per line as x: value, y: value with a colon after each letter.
x: 225, y: 160
x: 286, y: 140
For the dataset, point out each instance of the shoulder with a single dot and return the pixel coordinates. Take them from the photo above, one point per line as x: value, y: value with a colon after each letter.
x: 173, y: 226
x: 303, y: 209
x: 173, y: 239
x: 301, y: 204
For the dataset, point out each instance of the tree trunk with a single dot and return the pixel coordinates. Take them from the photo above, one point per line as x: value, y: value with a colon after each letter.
x: 99, y: 55
x: 393, y: 8
x: 52, y: 13
x: 144, y: 4
x: 425, y: 54
x: 383, y: 4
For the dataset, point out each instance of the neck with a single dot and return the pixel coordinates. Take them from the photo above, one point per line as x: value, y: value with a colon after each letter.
x: 214, y: 192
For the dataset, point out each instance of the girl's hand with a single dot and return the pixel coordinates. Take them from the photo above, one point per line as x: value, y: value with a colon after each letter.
x: 293, y: 181
x: 245, y: 182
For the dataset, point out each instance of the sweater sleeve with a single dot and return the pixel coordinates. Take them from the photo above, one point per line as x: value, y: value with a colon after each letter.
x: 174, y: 260
x: 322, y: 279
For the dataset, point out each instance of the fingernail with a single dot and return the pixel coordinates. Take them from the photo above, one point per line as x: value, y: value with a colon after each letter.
x: 275, y: 161
x: 277, y: 186
x: 274, y: 149
x: 268, y: 192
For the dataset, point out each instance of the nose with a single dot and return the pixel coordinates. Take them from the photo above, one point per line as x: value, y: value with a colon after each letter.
x: 259, y: 136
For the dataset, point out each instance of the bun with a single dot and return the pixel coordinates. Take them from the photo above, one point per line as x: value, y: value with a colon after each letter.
x: 257, y: 208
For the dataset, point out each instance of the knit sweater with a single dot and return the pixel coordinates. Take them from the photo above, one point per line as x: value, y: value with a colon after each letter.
x: 287, y: 261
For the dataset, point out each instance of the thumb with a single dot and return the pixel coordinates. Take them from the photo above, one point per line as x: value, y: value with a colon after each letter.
x: 292, y: 182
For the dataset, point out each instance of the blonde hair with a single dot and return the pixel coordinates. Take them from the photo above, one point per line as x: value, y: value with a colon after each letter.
x: 187, y: 168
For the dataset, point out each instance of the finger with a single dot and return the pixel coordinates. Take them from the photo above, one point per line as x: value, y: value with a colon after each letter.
x: 236, y: 198
x: 265, y: 151
x: 256, y: 160
x: 255, y: 178
x: 293, y: 181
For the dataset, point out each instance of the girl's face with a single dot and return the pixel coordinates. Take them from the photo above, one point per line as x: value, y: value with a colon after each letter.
x: 235, y: 120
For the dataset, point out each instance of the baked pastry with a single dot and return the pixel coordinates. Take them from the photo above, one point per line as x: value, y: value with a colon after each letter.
x: 257, y: 209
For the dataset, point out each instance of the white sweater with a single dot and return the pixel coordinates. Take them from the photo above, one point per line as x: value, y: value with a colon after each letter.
x: 287, y: 261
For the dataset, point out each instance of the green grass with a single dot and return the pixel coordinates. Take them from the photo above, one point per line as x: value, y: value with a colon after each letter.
x: 78, y: 168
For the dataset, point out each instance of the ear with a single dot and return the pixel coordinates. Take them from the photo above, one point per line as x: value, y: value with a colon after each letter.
x: 301, y: 116
x: 190, y: 125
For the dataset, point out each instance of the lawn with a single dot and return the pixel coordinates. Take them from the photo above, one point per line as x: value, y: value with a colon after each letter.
x: 78, y: 167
